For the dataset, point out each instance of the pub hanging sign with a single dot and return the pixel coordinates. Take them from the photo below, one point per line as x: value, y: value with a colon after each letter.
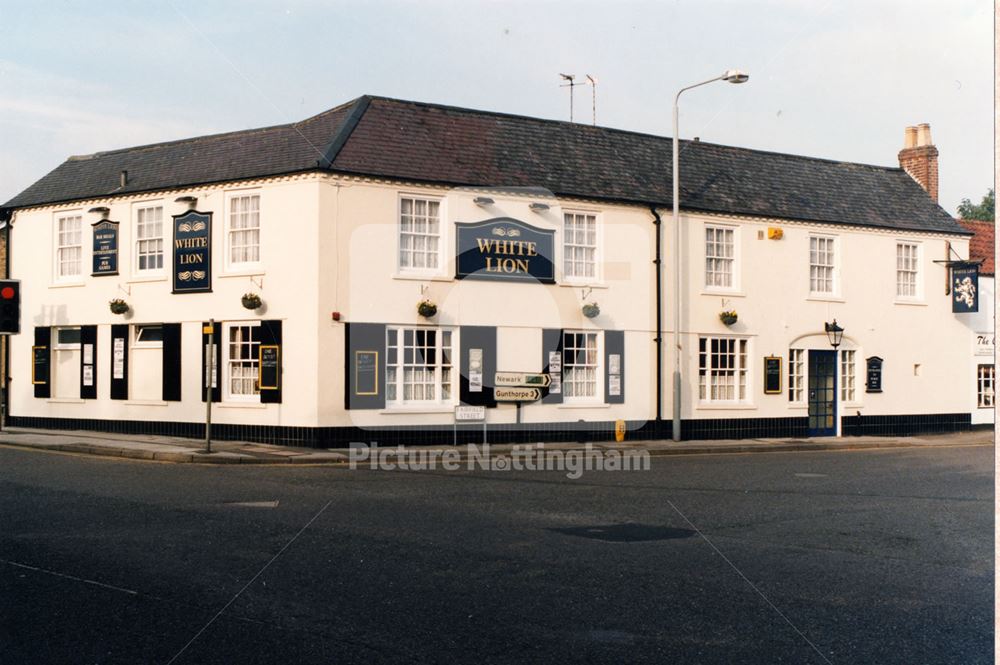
x: 964, y: 287
x: 193, y: 252
x: 105, y: 249
x: 505, y: 249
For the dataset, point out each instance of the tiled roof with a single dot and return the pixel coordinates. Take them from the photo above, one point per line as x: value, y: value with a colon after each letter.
x: 981, y: 244
x: 375, y: 136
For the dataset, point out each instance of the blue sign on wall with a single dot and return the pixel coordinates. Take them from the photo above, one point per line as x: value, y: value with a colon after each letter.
x: 105, y: 250
x: 964, y: 287
x: 193, y: 252
x: 504, y: 248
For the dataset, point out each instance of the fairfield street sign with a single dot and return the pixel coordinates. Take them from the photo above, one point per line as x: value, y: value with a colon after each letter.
x: 517, y: 394
x: 522, y: 379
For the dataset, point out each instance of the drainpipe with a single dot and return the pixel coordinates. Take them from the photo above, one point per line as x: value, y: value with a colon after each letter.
x: 657, y: 222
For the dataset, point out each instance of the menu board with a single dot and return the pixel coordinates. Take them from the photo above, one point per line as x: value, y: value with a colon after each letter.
x: 772, y: 375
x: 366, y: 372
x: 270, y: 367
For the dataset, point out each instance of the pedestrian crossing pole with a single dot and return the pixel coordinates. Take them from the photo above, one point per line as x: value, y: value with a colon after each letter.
x: 209, y: 366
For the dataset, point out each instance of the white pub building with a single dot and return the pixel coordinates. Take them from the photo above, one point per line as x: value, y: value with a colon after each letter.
x: 372, y: 268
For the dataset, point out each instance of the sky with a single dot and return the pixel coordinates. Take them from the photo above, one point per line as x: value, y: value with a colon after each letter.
x: 837, y: 79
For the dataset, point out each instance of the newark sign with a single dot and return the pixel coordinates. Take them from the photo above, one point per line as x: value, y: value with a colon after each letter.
x: 521, y: 379
x: 506, y: 249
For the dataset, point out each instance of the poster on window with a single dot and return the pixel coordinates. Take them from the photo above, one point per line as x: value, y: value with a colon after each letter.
x: 118, y: 359
x: 475, y: 370
x: 88, y: 375
x: 193, y: 252
x: 555, y: 372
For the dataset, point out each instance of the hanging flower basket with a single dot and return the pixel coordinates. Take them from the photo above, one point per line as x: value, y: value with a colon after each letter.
x: 591, y: 309
x: 118, y: 306
x: 426, y: 309
x: 251, y: 301
x: 729, y: 317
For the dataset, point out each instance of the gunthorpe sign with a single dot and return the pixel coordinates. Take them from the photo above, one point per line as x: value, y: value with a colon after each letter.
x: 504, y: 248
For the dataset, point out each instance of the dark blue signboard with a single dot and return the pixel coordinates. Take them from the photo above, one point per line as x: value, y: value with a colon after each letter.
x: 193, y: 252
x: 964, y: 287
x: 105, y: 251
x: 504, y: 248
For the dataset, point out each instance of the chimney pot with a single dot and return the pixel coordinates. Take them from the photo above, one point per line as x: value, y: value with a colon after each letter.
x: 924, y: 134
x: 910, y: 138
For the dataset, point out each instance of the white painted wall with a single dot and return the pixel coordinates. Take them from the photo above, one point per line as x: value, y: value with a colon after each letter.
x: 329, y: 245
x: 982, y: 325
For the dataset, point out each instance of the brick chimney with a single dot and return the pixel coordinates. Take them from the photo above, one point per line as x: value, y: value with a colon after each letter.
x: 919, y: 158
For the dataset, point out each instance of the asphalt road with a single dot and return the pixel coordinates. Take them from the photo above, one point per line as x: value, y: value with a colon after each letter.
x: 840, y: 557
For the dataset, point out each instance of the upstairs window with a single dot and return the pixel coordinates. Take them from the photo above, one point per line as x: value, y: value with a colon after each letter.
x: 720, y: 257
x: 149, y: 239
x: 419, y: 234
x: 907, y: 270
x: 243, y: 235
x: 579, y: 246
x: 822, y: 266
x: 69, y: 246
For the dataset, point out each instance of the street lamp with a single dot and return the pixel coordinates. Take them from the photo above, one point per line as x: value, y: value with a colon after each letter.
x: 834, y: 333
x: 732, y: 76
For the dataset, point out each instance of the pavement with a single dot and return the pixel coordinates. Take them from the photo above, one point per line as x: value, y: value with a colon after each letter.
x: 183, y: 450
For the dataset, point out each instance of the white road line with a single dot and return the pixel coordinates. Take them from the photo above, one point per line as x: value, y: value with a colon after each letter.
x: 70, y: 577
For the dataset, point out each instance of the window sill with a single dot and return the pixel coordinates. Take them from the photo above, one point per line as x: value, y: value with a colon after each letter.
x: 144, y: 402
x: 798, y: 405
x: 917, y: 303
x: 426, y: 277
x: 724, y: 406
x: 240, y: 405
x: 65, y: 285
x: 583, y: 405
x: 574, y: 284
x: 818, y: 297
x: 139, y: 279
x: 256, y: 271
x: 720, y: 292
x: 66, y: 400
x: 408, y: 410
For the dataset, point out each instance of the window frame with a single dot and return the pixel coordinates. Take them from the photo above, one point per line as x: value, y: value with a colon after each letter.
x: 847, y: 378
x: 798, y: 381
x: 734, y: 276
x: 742, y: 371
x: 834, y: 291
x: 59, y: 345
x: 442, y: 235
x: 598, y: 247
x: 986, y: 381
x: 598, y: 367
x: 227, y: 363
x: 918, y: 286
x: 57, y: 248
x: 397, y: 385
x: 242, y: 266
x: 139, y: 343
x: 151, y: 273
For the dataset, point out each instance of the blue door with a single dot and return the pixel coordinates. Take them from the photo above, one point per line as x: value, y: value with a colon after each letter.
x: 822, y: 393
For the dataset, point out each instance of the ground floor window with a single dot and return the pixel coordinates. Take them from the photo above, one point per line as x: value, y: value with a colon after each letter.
x: 796, y: 375
x: 580, y: 367
x: 418, y: 366
x: 722, y: 369
x: 847, y: 360
x: 985, y: 385
x: 241, y: 362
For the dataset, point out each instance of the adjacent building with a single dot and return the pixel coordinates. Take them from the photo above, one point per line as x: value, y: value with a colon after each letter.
x: 983, y: 323
x: 413, y: 258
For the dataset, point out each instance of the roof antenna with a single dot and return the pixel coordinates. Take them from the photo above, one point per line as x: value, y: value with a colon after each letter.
x: 572, y: 84
x: 593, y: 98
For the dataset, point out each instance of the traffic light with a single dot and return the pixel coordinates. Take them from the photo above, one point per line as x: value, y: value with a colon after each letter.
x: 10, y: 306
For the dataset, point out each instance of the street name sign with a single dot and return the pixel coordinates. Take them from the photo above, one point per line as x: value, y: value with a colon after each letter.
x: 468, y: 413
x: 522, y: 379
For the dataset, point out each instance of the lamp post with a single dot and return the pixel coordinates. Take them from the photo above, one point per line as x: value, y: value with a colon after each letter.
x: 731, y: 76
